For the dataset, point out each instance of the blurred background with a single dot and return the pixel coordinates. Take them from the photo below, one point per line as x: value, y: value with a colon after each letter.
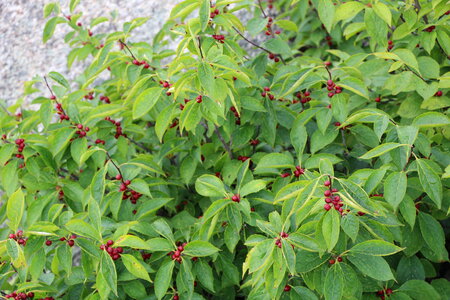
x: 24, y: 55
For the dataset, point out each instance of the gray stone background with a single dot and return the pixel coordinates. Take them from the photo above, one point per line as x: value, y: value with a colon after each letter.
x: 24, y: 55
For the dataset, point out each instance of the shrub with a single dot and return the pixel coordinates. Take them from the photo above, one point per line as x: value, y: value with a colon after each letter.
x: 313, y: 164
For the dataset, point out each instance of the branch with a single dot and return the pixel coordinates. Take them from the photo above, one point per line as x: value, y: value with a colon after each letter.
x: 262, y: 10
x: 225, y: 145
x: 256, y: 45
x: 329, y: 72
x: 139, y: 145
x: 423, y: 79
x: 129, y: 50
x: 200, y: 47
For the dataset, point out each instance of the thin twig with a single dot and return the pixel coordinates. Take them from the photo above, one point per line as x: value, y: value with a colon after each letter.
x: 225, y: 145
x: 114, y: 164
x: 200, y: 47
x: 329, y: 72
x: 423, y: 79
x: 129, y: 50
x: 262, y: 10
x: 139, y: 145
x: 257, y: 46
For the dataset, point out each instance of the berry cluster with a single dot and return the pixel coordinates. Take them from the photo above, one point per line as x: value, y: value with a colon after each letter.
x: 128, y: 193
x: 113, y: 252
x: 329, y: 40
x: 18, y: 236
x: 390, y: 45
x: 298, y: 171
x: 61, y: 113
x: 219, y: 37
x: 304, y: 98
x: 99, y: 141
x: 331, y: 200
x: 383, y: 293
x: 19, y: 296
x: 333, y: 88
x: 146, y: 256
x: 176, y: 255
x: 70, y: 240
x: 254, y: 142
x: 214, y: 13
x: 236, y: 198
x: 430, y: 28
x: 89, y: 96
x: 242, y: 158
x: 274, y: 57
x: 141, y: 63
x: 283, y: 235
x: 166, y: 85
x: 269, y: 25
x: 82, y: 131
x: 333, y: 261
x: 236, y: 115
x: 105, y: 98
x: 118, y: 127
x: 20, y: 145
x: 266, y: 93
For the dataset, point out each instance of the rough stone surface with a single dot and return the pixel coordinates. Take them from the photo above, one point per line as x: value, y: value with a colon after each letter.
x: 24, y: 55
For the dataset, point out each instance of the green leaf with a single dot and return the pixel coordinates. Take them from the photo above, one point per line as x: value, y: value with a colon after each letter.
x: 131, y: 241
x: 278, y: 46
x: 190, y: 116
x: 395, y: 188
x: 383, y: 12
x: 252, y: 187
x: 347, y: 10
x: 145, y: 101
x: 135, y: 267
x: 59, y: 79
x: 350, y: 225
x: 331, y: 228
x: 199, y: 249
x: 210, y: 186
x: 355, y: 85
x: 215, y: 208
x: 326, y: 12
x: 204, y: 274
x: 204, y: 14
x: 163, y: 120
x: 50, y: 26
x: 15, y: 208
x: 286, y: 25
x: 288, y: 256
x: 16, y: 253
x: 303, y: 241
x: 372, y: 266
x: 375, y: 248
x: 108, y: 270
x: 431, y: 119
x: 299, y: 137
x: 433, y: 234
x: 159, y: 244
x: 59, y: 140
x: 357, y: 194
x: 320, y: 140
x: 82, y: 228
x: 334, y: 283
x: 163, y: 278
x: 273, y: 161
x: 206, y: 76
x: 419, y: 289
x: 161, y: 227
x: 430, y: 181
x: 380, y: 150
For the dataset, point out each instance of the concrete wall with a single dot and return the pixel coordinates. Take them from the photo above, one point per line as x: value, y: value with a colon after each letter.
x: 23, y: 54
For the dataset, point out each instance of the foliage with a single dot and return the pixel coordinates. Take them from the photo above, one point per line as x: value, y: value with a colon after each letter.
x: 314, y: 164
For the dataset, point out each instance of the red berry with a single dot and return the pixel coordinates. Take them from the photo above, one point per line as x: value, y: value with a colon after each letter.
x: 277, y: 59
x: 71, y: 243
x: 330, y: 94
x: 267, y: 89
x: 110, y: 242
x: 438, y: 94
x: 331, y: 261
x: 127, y: 182
x: 377, y: 99
x: 271, y: 55
x: 327, y: 63
x: 327, y: 207
x: 337, y: 124
x: 176, y: 297
x: 327, y: 193
x: 118, y: 177
x: 327, y: 183
x: 12, y: 236
x: 48, y: 242
x: 287, y: 288
x: 339, y: 259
